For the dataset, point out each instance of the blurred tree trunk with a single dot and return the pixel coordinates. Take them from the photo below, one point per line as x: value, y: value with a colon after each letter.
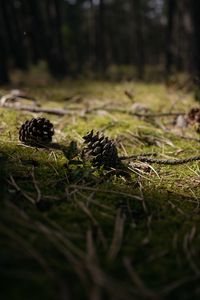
x: 92, y: 56
x: 13, y: 22
x: 36, y: 30
x: 185, y: 42
x: 4, y: 77
x: 58, y: 25
x: 180, y: 37
x: 55, y: 56
x: 139, y: 37
x: 196, y: 36
x: 171, y: 11
x: 100, y: 37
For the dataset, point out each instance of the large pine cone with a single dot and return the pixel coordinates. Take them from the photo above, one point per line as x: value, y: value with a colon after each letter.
x: 36, y: 131
x: 103, y: 150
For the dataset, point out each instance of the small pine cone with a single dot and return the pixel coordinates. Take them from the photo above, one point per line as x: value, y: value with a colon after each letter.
x: 102, y: 149
x: 194, y: 115
x: 37, y: 130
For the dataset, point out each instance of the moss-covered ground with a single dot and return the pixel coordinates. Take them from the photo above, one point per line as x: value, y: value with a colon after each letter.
x: 68, y: 231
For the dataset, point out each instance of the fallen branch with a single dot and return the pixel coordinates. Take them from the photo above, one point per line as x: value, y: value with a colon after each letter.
x: 132, y: 113
x: 62, y: 112
x: 153, y: 115
x: 14, y: 96
x: 35, y: 109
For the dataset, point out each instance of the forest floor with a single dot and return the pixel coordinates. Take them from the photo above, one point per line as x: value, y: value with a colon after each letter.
x: 69, y: 231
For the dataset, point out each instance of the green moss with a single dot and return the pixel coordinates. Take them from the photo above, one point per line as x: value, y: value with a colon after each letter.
x: 50, y: 250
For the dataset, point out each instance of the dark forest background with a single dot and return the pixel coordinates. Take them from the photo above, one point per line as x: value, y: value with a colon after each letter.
x: 76, y: 36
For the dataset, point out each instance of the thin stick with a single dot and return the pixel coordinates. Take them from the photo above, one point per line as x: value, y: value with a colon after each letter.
x: 165, y: 161
x: 128, y: 111
x: 135, y: 156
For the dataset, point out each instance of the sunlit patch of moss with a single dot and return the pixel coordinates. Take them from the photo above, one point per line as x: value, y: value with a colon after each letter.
x: 160, y: 206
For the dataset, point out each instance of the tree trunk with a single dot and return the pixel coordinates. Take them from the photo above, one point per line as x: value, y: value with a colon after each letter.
x: 36, y: 30
x: 4, y: 77
x: 171, y: 9
x: 139, y: 37
x: 91, y: 25
x: 55, y: 55
x: 100, y: 37
x: 196, y: 36
x: 15, y: 33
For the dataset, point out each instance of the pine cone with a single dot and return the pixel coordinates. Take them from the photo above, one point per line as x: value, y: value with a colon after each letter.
x: 194, y: 115
x: 194, y: 118
x: 102, y: 149
x: 36, y: 130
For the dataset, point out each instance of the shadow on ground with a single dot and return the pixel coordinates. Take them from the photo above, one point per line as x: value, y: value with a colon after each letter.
x: 69, y: 232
